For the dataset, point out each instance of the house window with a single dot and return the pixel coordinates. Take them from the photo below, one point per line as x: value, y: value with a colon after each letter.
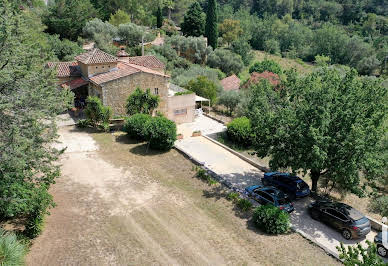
x: 156, y: 91
x: 180, y: 111
x: 102, y: 66
x: 96, y: 67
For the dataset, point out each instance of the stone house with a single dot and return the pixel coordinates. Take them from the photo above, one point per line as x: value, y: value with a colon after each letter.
x: 114, y: 78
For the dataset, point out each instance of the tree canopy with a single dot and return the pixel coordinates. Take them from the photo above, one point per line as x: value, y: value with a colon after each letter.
x: 194, y: 21
x: 328, y: 124
x: 29, y: 103
x: 142, y: 102
x: 211, y: 27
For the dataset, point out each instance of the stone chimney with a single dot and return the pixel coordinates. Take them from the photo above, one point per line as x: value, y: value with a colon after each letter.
x: 122, y: 55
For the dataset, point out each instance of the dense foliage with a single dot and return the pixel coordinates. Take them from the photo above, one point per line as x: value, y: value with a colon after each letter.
x: 29, y: 103
x: 229, y: 99
x: 359, y: 255
x: 266, y: 65
x: 12, y: 251
x: 97, y: 114
x: 143, y: 102
x: 327, y: 123
x: 134, y: 125
x: 204, y: 87
x: 211, y: 27
x: 239, y: 130
x: 68, y: 17
x: 120, y: 17
x: 194, y: 21
x: 225, y: 60
x: 271, y: 219
x: 160, y: 133
x: 182, y: 76
x: 380, y: 205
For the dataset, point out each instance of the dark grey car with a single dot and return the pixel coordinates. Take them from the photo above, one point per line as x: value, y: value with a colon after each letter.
x: 381, y: 250
x: 342, y: 217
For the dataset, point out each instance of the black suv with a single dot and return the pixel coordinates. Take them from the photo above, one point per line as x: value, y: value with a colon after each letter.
x: 381, y: 250
x: 342, y: 217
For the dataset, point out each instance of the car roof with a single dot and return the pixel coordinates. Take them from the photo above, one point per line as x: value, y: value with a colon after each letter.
x: 344, y: 208
x: 286, y: 175
x: 273, y: 191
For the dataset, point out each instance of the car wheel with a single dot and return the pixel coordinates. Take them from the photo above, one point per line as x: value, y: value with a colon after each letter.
x: 382, y: 251
x: 346, y: 234
x: 314, y: 215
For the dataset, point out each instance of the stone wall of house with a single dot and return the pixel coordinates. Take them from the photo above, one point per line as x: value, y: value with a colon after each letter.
x: 181, y: 108
x: 91, y: 70
x: 116, y: 92
x: 95, y: 90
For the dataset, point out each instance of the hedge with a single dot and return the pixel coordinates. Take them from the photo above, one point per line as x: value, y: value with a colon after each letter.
x: 240, y: 132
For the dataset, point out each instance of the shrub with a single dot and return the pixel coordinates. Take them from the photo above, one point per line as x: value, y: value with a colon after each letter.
x: 160, y: 132
x: 96, y: 112
x: 82, y: 123
x: 266, y: 65
x: 34, y: 225
x: 380, y: 205
x: 359, y: 255
x: 271, y: 219
x: 201, y: 173
x: 12, y: 251
x: 134, y: 125
x: 233, y: 196
x: 239, y: 131
x: 244, y: 204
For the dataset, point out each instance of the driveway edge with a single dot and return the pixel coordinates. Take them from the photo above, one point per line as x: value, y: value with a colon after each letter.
x: 242, y: 157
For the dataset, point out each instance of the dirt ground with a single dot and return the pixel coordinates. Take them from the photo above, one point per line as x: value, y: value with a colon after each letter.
x: 118, y: 204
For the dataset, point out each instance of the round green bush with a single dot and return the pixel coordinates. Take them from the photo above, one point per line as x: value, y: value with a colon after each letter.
x: 239, y: 131
x: 271, y: 219
x: 160, y: 132
x: 134, y: 125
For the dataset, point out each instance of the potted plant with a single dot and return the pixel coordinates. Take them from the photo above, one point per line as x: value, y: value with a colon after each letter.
x: 179, y: 136
x: 196, y: 133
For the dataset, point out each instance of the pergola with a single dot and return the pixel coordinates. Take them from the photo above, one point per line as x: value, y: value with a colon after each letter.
x: 201, y: 100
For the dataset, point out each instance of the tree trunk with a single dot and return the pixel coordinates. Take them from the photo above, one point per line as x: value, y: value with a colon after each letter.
x: 169, y: 13
x: 315, y: 174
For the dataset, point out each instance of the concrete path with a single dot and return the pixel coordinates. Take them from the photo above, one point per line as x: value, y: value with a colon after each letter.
x: 241, y: 174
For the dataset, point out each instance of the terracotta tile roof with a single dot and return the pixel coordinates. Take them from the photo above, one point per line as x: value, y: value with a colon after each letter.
x: 96, y: 56
x: 75, y: 83
x: 66, y: 69
x: 256, y: 77
x: 148, y: 61
x: 231, y: 83
x: 123, y: 69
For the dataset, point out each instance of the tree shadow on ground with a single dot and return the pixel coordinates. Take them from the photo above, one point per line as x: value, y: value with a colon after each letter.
x: 125, y: 139
x: 145, y: 150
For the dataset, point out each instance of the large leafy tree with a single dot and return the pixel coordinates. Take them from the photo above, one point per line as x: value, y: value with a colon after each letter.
x: 29, y: 103
x: 204, y: 87
x: 230, y: 30
x: 328, y: 124
x: 120, y: 17
x: 211, y: 28
x: 194, y: 21
x: 68, y: 17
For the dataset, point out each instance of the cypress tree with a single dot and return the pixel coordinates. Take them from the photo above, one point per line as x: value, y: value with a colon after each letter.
x: 159, y: 17
x: 211, y: 31
x: 194, y: 21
